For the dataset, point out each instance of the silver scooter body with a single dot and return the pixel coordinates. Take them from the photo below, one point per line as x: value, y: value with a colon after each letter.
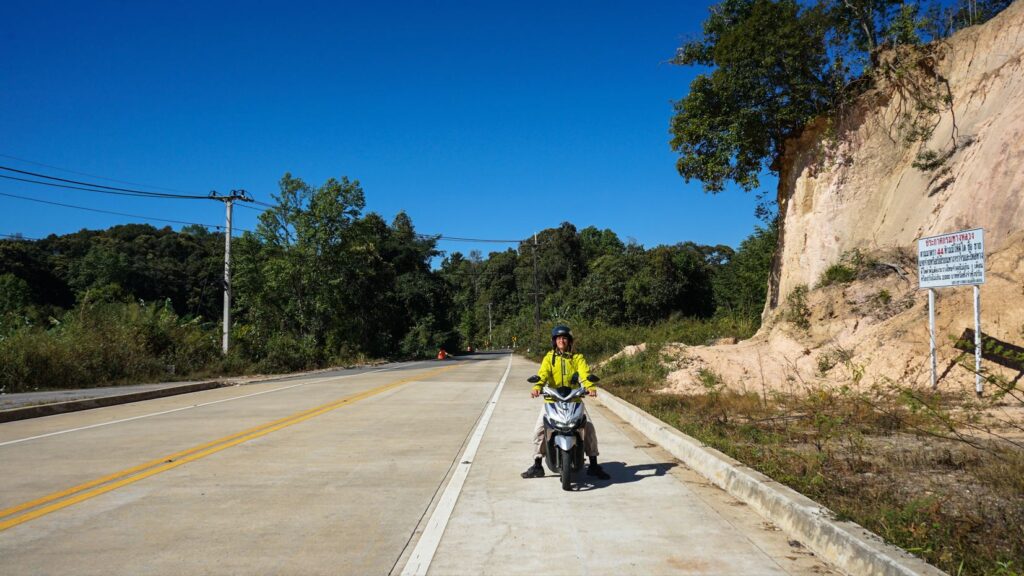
x: 564, y: 425
x: 564, y: 421
x: 563, y: 415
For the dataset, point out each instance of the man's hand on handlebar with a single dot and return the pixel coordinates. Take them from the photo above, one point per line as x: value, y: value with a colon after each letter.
x: 592, y: 392
x: 534, y: 392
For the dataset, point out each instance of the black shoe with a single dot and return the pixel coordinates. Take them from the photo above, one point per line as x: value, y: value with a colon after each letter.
x: 596, y: 470
x: 535, y: 471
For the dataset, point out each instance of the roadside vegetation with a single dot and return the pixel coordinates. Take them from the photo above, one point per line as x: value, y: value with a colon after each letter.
x: 319, y: 284
x: 612, y: 294
x: 935, y: 474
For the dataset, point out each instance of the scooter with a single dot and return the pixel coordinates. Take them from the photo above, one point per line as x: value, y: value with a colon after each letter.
x: 564, y: 422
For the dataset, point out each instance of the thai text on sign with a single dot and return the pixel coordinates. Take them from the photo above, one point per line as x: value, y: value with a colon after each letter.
x: 955, y: 259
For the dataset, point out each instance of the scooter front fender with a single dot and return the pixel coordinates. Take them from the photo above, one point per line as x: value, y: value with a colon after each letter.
x: 565, y: 442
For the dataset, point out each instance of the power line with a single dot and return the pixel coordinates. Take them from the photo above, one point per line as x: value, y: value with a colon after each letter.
x: 17, y: 237
x: 94, y: 190
x: 87, y: 174
x: 143, y: 193
x: 112, y: 188
x: 92, y: 187
x: 153, y: 218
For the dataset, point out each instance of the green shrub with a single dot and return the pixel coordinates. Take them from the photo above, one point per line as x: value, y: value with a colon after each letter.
x: 883, y: 297
x: 102, y: 344
x: 797, y: 310
x: 423, y: 340
x: 927, y: 160
x: 829, y: 358
x: 286, y: 353
x: 641, y: 371
x: 710, y: 379
x: 15, y: 294
x: 597, y: 340
x: 853, y: 265
x: 837, y: 274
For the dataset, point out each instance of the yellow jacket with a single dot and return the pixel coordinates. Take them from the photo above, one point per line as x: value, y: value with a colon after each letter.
x: 557, y: 370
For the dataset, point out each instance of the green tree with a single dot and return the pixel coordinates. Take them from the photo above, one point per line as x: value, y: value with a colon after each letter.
x: 500, y: 284
x: 29, y: 261
x: 320, y: 281
x: 560, y: 265
x: 741, y: 285
x: 778, y: 64
x: 772, y: 73
x: 298, y: 277
x: 595, y: 243
x: 601, y: 295
x: 672, y: 279
x: 15, y: 294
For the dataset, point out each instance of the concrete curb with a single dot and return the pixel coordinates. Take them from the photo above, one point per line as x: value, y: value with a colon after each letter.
x: 26, y: 412
x: 845, y: 544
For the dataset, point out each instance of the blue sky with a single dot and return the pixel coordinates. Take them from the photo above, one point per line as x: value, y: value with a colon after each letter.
x: 481, y: 120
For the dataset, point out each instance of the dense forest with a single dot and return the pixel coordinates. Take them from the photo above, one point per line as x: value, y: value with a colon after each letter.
x: 321, y: 282
x: 590, y: 278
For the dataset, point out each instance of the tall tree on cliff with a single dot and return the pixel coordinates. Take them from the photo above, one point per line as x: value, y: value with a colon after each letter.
x: 772, y: 73
x: 778, y: 64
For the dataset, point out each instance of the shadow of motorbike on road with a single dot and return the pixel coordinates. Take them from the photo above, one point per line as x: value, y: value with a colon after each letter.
x: 620, y: 473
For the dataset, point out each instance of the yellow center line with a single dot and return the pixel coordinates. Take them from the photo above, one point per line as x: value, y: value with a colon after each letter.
x: 142, y: 471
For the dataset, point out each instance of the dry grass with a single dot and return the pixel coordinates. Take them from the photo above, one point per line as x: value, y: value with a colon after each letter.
x: 935, y: 474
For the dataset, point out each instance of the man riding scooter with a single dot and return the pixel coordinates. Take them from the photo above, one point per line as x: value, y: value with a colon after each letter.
x: 557, y: 369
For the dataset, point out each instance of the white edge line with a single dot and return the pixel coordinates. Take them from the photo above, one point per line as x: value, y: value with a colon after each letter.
x: 57, y: 433
x: 423, y: 553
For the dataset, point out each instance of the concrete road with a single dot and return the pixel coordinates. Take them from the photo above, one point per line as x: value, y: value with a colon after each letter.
x: 349, y: 474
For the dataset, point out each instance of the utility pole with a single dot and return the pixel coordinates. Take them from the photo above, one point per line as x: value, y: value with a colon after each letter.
x: 228, y: 203
x: 489, y: 325
x: 536, y: 291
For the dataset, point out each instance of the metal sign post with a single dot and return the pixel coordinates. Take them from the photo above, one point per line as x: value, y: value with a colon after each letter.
x: 954, y: 259
x: 931, y: 333
x: 977, y: 340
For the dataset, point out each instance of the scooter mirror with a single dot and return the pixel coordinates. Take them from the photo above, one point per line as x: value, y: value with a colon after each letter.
x: 593, y: 378
x: 533, y: 379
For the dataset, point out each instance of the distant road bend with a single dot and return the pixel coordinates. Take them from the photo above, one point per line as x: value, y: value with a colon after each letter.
x: 409, y: 468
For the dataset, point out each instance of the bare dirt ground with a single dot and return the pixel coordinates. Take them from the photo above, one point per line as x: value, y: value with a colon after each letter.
x: 870, y: 332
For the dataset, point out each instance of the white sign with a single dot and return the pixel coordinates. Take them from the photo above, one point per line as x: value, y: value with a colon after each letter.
x: 955, y: 259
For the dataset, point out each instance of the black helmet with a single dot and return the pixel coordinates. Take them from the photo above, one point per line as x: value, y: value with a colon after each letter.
x: 561, y: 330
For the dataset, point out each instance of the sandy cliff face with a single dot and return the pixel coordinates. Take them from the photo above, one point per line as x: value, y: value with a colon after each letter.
x: 862, y: 193
x: 867, y: 195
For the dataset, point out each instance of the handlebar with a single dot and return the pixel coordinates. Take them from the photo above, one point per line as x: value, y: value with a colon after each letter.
x: 580, y: 390
x: 574, y: 393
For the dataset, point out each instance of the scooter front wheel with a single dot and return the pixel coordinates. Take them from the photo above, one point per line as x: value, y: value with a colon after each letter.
x: 566, y: 459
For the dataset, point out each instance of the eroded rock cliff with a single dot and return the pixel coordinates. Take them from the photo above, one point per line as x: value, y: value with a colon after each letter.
x: 866, y: 193
x: 905, y: 162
